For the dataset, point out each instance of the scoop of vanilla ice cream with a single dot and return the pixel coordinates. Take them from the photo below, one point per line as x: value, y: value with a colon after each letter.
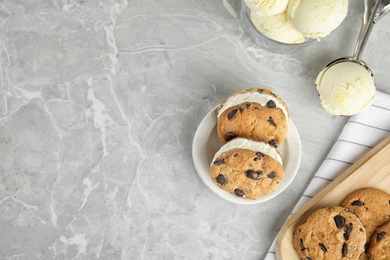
x: 267, y: 7
x: 345, y: 88
x: 317, y: 18
x: 277, y: 27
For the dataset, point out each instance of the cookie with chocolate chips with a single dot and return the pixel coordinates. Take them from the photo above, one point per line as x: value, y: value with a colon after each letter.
x: 371, y: 205
x: 255, y: 113
x: 330, y: 233
x: 246, y: 168
x: 380, y: 243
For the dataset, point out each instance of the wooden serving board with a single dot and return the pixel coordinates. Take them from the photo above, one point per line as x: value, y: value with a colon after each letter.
x: 372, y: 170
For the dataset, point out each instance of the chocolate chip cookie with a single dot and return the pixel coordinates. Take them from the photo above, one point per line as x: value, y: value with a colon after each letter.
x: 380, y: 243
x: 247, y: 168
x: 330, y: 233
x: 255, y: 113
x: 371, y: 205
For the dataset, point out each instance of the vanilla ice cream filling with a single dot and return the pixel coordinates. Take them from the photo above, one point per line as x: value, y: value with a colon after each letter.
x: 242, y: 143
x: 253, y: 97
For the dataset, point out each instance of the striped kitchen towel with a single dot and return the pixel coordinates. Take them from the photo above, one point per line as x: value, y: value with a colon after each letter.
x: 361, y: 133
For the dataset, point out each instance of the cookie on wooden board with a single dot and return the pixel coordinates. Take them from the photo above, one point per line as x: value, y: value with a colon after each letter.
x: 247, y: 168
x: 380, y: 243
x: 371, y: 205
x: 330, y: 233
x: 255, y: 113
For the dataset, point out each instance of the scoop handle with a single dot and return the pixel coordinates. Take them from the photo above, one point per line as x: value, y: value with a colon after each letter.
x: 370, y: 8
x: 383, y: 9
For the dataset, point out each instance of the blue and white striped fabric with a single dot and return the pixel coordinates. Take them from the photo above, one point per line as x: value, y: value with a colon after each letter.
x: 361, y: 133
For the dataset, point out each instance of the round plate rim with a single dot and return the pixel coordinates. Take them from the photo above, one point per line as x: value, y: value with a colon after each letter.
x: 291, y: 148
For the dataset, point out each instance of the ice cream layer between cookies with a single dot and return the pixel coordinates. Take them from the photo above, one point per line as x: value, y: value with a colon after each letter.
x: 253, y: 97
x: 242, y: 143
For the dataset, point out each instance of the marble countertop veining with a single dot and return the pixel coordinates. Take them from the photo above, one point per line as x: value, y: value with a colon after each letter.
x: 99, y: 103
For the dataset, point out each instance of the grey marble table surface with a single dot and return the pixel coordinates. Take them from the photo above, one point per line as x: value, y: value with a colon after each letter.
x: 99, y: 103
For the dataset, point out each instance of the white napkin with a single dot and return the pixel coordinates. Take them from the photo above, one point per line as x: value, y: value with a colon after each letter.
x: 361, y: 133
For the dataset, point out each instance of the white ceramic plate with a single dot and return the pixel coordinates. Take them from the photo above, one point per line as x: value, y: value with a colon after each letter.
x: 206, y: 143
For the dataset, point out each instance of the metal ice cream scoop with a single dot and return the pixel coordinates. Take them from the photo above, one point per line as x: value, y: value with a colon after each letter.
x: 351, y: 92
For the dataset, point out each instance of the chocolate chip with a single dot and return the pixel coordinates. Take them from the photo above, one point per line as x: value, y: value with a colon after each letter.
x: 219, y: 162
x: 308, y: 258
x: 241, y: 109
x: 271, y: 175
x: 239, y: 193
x: 231, y: 114
x: 235, y: 155
x: 254, y: 175
x: 366, y: 246
x: 248, y: 105
x: 380, y: 235
x: 259, y: 154
x: 270, y: 104
x: 344, y: 250
x: 357, y: 203
x: 271, y: 121
x: 261, y: 91
x: 348, y: 230
x: 229, y: 136
x: 301, y: 245
x: 323, y: 248
x: 221, y: 179
x: 340, y: 221
x: 273, y: 143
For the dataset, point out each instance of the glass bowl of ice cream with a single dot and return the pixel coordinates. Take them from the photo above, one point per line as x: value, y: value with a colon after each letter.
x: 285, y: 26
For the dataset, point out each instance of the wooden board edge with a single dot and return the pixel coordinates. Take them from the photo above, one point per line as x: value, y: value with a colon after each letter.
x: 306, y: 209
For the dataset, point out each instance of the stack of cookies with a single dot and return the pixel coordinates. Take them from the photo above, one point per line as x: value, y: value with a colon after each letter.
x: 251, y: 124
x: 359, y: 228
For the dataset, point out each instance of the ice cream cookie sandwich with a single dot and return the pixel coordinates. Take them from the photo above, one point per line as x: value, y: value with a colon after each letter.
x: 256, y: 113
x: 247, y: 168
